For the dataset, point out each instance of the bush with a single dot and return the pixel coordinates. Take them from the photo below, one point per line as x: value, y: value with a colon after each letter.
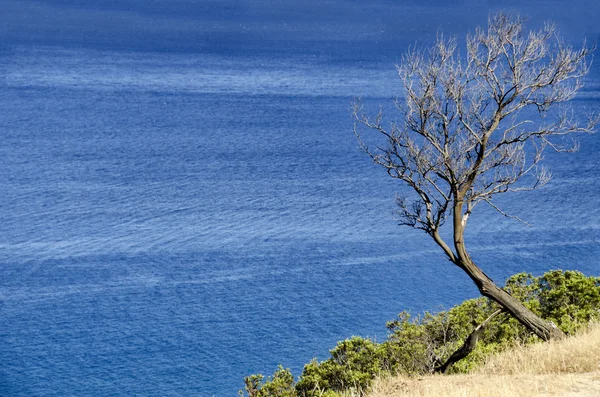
x: 569, y: 299
x: 353, y: 364
x: 416, y: 345
x: 281, y: 384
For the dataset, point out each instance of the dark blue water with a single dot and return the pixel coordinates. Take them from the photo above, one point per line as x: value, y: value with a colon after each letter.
x: 174, y: 221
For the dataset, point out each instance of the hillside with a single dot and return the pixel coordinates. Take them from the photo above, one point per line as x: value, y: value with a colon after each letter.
x: 570, y: 367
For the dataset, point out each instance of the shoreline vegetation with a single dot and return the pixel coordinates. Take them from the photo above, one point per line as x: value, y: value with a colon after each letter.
x: 507, y: 359
x: 568, y: 367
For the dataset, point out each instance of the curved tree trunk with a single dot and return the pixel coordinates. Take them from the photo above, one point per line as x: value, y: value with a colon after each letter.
x: 487, y: 288
x: 513, y: 306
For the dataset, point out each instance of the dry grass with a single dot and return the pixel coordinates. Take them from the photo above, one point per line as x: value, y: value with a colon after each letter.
x: 570, y: 367
x: 587, y: 385
x: 577, y: 354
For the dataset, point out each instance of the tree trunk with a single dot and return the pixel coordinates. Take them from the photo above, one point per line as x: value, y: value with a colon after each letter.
x: 467, y: 347
x: 544, y: 329
x: 486, y: 286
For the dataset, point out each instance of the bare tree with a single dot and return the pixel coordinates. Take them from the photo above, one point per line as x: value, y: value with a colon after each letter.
x: 475, y: 126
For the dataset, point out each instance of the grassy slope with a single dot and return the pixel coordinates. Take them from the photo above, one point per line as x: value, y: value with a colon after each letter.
x: 570, y: 367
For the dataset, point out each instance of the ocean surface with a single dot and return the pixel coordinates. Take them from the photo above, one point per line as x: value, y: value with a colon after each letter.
x: 172, y: 221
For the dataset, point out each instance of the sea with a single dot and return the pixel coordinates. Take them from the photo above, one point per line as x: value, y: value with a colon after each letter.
x: 173, y: 220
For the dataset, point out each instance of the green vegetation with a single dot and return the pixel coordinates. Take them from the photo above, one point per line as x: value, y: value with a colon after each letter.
x: 416, y: 345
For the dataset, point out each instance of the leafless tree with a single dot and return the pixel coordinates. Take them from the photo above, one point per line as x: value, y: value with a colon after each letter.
x: 475, y: 126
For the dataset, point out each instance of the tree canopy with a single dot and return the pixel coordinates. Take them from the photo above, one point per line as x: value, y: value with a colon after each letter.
x: 474, y: 126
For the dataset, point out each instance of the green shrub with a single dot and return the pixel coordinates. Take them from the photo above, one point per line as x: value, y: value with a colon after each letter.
x: 416, y: 345
x: 569, y: 299
x: 281, y: 384
x: 353, y: 364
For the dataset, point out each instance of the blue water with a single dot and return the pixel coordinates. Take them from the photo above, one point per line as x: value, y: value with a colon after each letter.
x: 173, y: 221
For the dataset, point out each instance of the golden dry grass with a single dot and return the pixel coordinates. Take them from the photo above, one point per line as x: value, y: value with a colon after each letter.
x: 570, y: 367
